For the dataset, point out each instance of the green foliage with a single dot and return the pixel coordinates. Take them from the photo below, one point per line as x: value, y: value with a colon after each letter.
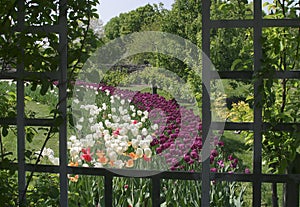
x: 86, y: 191
x: 144, y: 18
x: 8, y: 189
x: 233, y: 9
x: 115, y: 78
x: 184, y: 20
x: 164, y: 80
x: 227, y: 194
x: 281, y: 97
x: 45, y: 191
x: 39, y: 52
x: 173, y: 190
x: 232, y: 49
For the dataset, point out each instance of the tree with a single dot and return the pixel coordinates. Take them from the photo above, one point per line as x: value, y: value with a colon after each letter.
x: 144, y: 18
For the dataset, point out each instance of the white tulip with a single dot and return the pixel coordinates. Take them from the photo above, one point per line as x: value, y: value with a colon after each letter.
x: 135, y: 143
x: 79, y: 127
x: 98, y: 165
x: 104, y: 107
x: 112, y: 155
x: 119, y: 164
x: 72, y: 138
x: 143, y: 119
x: 139, y: 152
x: 135, y: 132
x: 154, y: 127
x: 144, y: 132
x: 146, y: 113
x: 76, y: 101
x: 149, y: 138
x: 144, y: 144
x: 148, y: 152
x: 89, y: 136
x: 132, y: 108
x: 139, y: 112
x: 119, y: 150
x: 69, y: 145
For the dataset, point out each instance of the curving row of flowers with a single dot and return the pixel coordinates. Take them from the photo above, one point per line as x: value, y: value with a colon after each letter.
x: 127, y: 129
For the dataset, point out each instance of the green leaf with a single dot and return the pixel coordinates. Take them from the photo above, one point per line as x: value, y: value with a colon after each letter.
x: 58, y: 121
x: 235, y: 63
x: 45, y: 87
x: 33, y: 86
x: 5, y: 130
x: 53, y: 192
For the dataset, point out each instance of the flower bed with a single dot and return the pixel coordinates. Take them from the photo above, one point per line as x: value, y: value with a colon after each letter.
x: 126, y: 129
x: 131, y: 129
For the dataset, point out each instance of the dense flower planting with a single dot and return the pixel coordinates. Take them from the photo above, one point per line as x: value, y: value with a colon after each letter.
x: 128, y: 129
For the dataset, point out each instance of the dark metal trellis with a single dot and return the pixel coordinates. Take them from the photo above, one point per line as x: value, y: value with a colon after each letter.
x: 257, y: 178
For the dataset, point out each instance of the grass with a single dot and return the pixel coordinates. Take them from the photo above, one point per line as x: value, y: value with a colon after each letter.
x: 39, y: 111
x: 234, y: 143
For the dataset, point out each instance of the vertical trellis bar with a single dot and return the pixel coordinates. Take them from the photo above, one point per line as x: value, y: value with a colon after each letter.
x: 155, y: 191
x: 20, y: 111
x: 108, y: 197
x: 63, y: 65
x: 257, y: 156
x: 206, y: 113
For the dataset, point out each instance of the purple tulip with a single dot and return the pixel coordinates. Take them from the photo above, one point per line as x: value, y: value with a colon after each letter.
x: 221, y: 163
x: 247, y: 171
x: 212, y: 159
x: 214, y: 153
x: 194, y: 154
x: 230, y: 157
x: 186, y: 158
x: 213, y: 169
x: 221, y: 144
x: 158, y: 150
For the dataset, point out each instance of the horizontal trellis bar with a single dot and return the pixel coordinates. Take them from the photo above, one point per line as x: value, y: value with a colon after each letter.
x: 249, y: 126
x: 294, y: 74
x: 267, y: 178
x: 37, y: 29
x: 28, y: 122
x: 281, y: 23
x: 250, y: 23
x: 231, y: 23
x: 30, y: 76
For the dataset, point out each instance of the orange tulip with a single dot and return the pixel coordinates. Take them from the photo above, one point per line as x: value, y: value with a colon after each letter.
x: 72, y: 164
x: 133, y: 156
x: 130, y: 163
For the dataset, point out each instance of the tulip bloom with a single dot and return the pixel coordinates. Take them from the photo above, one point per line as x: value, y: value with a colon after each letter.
x: 87, y: 156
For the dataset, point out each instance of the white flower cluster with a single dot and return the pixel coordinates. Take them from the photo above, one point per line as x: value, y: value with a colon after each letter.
x: 117, y: 131
x: 49, y: 153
